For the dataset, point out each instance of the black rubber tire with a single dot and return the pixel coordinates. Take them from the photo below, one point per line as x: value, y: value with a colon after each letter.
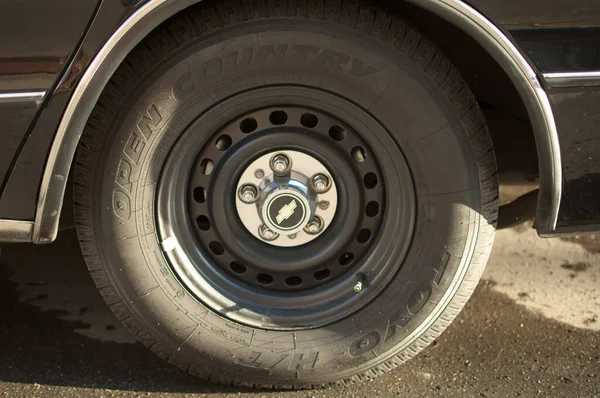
x: 388, y: 68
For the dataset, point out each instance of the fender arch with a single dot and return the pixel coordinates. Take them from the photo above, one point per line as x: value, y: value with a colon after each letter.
x: 524, y: 78
x: 154, y: 12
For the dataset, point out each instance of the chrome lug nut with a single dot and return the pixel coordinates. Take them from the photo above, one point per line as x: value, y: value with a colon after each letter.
x: 281, y: 164
x: 320, y: 183
x: 314, y: 226
x: 266, y: 233
x: 248, y: 193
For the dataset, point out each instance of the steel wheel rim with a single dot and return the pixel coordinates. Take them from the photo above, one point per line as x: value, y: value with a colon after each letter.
x: 302, y: 305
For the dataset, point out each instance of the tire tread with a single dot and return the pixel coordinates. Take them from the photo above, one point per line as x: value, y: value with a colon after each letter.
x: 377, y: 23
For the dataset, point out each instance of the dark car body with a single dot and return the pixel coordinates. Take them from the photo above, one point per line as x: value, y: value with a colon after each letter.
x: 57, y: 56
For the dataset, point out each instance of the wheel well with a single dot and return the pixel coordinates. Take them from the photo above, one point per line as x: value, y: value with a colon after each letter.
x: 502, y: 106
x: 505, y: 113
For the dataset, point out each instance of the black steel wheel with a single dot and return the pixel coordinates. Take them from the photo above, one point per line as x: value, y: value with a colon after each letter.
x: 290, y: 194
x: 302, y: 286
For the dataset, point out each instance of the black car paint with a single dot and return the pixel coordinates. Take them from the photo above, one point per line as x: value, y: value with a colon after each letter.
x: 556, y: 35
x: 535, y: 14
x: 564, y: 36
x: 36, y: 40
x: 559, y: 50
x: 15, y: 119
x: 577, y: 114
x: 20, y: 188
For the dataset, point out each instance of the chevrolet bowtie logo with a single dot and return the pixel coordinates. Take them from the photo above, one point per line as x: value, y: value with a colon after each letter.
x: 286, y: 211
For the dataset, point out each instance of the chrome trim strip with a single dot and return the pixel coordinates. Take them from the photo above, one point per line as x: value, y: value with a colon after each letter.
x: 15, y: 231
x: 573, y: 79
x: 90, y: 85
x: 23, y: 96
x: 525, y: 79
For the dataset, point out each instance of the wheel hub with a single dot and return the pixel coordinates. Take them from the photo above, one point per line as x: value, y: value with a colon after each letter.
x: 286, y: 198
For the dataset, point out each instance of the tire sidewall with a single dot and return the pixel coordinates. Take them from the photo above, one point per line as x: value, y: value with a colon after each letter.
x: 396, y: 91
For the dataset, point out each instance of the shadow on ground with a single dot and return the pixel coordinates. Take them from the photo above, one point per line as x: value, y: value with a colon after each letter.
x: 495, y: 348
x: 39, y: 347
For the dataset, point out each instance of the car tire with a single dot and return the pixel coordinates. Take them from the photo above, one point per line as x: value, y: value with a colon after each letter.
x: 354, y: 88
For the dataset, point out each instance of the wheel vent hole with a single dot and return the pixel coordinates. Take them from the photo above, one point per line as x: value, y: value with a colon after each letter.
x: 223, y: 142
x: 363, y: 236
x: 216, y: 248
x: 359, y: 154
x: 337, y: 133
x: 264, y: 279
x: 204, y: 224
x: 207, y: 166
x: 322, y: 274
x: 372, y: 209
x: 370, y: 180
x: 278, y: 118
x: 238, y: 267
x: 346, y: 258
x: 309, y: 120
x: 248, y: 125
x: 200, y: 194
x: 293, y: 281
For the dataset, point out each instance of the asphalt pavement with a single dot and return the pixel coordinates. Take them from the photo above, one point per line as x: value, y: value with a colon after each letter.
x: 532, y: 328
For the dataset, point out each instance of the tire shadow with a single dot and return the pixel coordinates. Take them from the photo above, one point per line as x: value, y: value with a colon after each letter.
x: 495, y: 347
x: 42, y: 346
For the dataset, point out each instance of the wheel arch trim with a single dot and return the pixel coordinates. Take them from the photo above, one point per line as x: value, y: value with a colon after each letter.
x: 526, y: 81
x: 154, y: 12
x: 80, y: 106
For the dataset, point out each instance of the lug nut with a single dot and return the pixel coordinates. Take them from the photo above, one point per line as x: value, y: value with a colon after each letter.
x: 248, y: 193
x: 281, y: 164
x: 323, y: 205
x: 321, y: 183
x: 314, y: 226
x: 266, y: 233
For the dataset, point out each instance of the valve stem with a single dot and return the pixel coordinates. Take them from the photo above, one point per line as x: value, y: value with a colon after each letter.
x: 359, y: 283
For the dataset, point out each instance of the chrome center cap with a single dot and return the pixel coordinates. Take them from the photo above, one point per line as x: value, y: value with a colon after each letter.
x: 286, y: 198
